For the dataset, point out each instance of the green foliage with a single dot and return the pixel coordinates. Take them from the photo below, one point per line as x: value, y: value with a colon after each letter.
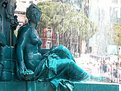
x: 63, y: 17
x: 117, y: 33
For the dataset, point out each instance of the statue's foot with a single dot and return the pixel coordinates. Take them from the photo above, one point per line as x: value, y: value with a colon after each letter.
x: 98, y: 79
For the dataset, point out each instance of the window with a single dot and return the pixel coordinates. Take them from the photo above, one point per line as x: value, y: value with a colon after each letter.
x: 23, y: 1
x: 31, y: 2
x: 115, y: 12
x: 115, y: 1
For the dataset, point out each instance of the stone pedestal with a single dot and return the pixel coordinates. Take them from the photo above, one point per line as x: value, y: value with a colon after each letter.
x: 45, y: 86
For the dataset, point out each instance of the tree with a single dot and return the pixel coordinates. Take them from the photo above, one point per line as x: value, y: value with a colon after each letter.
x: 63, y: 17
x: 67, y: 21
x: 117, y: 34
x: 75, y: 3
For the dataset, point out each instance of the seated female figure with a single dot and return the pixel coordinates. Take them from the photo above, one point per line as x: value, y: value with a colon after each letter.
x: 57, y: 63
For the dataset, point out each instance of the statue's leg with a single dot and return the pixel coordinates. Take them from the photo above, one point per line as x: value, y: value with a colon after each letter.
x: 71, y: 71
x: 76, y: 73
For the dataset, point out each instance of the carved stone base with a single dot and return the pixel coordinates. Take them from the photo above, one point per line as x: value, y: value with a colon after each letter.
x: 45, y: 86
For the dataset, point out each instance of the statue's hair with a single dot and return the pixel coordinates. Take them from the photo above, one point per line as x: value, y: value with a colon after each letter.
x: 29, y: 10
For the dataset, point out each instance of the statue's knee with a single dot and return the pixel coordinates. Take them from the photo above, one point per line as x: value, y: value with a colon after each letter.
x: 63, y: 47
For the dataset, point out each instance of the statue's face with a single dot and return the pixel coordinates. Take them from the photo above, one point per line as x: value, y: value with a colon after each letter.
x: 36, y: 15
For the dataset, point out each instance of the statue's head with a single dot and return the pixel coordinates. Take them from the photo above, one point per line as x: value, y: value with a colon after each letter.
x: 33, y: 13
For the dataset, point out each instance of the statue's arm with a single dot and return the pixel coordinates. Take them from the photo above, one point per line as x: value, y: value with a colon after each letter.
x: 20, y: 48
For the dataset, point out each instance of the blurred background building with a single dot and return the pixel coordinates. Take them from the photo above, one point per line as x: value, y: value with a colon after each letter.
x: 104, y: 13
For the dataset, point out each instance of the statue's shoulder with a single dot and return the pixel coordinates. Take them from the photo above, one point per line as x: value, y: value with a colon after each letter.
x: 23, y: 29
x: 23, y: 33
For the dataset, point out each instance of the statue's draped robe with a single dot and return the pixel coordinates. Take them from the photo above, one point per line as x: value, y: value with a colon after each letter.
x: 52, y: 68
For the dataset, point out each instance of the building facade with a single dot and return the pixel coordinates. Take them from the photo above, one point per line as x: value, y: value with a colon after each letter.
x: 115, y: 11
x: 104, y: 13
x: 49, y: 38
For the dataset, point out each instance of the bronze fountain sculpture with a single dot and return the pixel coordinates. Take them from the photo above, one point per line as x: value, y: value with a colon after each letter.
x: 25, y: 60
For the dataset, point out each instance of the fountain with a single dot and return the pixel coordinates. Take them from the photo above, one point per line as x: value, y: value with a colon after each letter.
x: 22, y: 67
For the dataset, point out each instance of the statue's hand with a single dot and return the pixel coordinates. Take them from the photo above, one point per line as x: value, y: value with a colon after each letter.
x: 28, y: 74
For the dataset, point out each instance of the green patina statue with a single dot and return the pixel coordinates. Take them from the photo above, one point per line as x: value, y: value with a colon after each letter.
x: 24, y: 59
x: 34, y: 63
